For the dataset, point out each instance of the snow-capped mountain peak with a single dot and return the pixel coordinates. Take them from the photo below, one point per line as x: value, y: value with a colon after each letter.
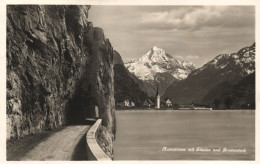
x: 155, y: 54
x: 157, y: 60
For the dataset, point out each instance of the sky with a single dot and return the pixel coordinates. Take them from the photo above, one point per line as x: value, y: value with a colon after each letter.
x: 190, y: 33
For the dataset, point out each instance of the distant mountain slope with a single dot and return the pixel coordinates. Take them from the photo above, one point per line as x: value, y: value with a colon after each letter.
x: 127, y: 86
x: 243, y: 95
x: 220, y: 90
x: 225, y: 67
x: 144, y: 86
x: 236, y: 96
x: 159, y: 67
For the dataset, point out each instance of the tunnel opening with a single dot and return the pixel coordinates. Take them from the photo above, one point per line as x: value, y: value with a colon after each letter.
x: 75, y: 114
x: 82, y: 110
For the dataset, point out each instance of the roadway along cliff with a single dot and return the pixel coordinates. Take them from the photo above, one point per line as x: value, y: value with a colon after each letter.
x: 58, y: 68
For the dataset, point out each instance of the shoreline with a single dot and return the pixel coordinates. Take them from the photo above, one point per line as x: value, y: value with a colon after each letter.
x: 137, y: 109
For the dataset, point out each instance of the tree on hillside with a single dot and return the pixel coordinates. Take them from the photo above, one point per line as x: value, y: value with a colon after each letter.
x: 228, y: 103
x: 216, y: 103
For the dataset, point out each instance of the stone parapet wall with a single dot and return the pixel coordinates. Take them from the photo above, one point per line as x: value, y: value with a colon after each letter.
x: 94, y: 152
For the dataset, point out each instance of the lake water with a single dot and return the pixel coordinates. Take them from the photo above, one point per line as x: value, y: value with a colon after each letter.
x: 143, y: 134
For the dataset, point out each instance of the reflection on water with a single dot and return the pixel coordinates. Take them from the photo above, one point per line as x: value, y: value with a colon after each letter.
x: 141, y: 135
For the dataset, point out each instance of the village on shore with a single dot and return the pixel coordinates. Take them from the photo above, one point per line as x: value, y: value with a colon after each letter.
x: 157, y: 104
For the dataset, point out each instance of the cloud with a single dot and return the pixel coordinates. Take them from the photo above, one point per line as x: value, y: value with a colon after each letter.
x: 186, y: 31
x: 188, y: 57
x: 192, y: 57
x: 195, y: 18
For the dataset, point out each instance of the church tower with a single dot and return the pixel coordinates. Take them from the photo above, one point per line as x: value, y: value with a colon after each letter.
x: 157, y: 99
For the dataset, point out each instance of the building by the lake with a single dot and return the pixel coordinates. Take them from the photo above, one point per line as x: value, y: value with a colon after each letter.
x: 168, y: 102
x: 157, y: 99
x: 148, y: 103
x: 126, y: 103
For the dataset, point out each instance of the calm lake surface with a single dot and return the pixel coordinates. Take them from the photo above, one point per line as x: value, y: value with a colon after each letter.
x: 141, y: 135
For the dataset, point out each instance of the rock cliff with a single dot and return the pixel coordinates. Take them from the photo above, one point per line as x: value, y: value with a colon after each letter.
x: 58, y: 69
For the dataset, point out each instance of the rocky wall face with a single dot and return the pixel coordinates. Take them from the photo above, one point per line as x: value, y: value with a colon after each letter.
x: 105, y: 141
x: 54, y: 61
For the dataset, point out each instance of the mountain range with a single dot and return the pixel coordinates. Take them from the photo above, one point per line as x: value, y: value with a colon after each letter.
x: 226, y: 81
x: 216, y: 80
